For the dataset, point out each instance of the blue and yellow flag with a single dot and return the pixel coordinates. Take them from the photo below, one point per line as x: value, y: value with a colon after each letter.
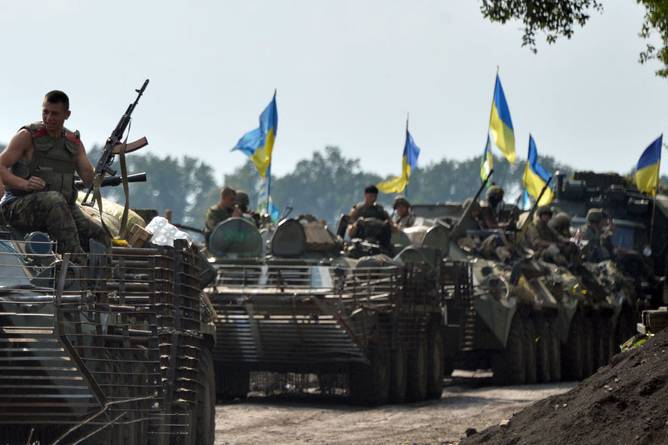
x: 408, y: 162
x: 536, y: 177
x: 487, y: 162
x: 500, y: 124
x: 259, y: 143
x: 647, y: 169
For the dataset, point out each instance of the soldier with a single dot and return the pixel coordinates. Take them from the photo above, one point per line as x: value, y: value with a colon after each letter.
x: 243, y: 201
x: 403, y: 217
x: 368, y: 208
x: 489, y: 209
x: 225, y: 208
x: 539, y: 235
x: 561, y: 224
x: 595, y: 251
x: 38, y: 169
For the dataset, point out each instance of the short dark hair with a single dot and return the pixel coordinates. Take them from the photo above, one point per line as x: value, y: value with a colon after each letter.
x: 371, y: 189
x: 227, y: 191
x: 57, y: 97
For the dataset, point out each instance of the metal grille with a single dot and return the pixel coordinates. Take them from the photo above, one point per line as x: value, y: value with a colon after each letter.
x: 99, y: 340
x: 289, y: 316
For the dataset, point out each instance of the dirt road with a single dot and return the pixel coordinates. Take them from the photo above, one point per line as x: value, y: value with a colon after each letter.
x: 315, y: 420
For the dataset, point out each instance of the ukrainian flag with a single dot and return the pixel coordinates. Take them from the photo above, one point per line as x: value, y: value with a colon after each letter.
x: 536, y: 177
x: 647, y: 169
x: 487, y: 163
x: 500, y: 124
x: 408, y: 162
x: 259, y: 143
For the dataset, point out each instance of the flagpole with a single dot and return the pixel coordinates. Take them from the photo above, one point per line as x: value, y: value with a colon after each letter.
x: 656, y: 192
x: 268, y: 190
x: 405, y: 142
x: 491, y: 110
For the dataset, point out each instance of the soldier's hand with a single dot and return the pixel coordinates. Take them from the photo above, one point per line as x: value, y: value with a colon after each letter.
x: 237, y: 212
x: 34, y: 183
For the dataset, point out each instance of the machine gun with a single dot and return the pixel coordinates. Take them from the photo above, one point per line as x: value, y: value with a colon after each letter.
x: 114, y: 145
x: 459, y: 228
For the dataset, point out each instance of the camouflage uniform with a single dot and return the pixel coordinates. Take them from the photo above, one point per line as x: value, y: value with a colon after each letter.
x: 54, y: 208
x: 375, y: 210
x: 215, y: 215
x: 596, y: 249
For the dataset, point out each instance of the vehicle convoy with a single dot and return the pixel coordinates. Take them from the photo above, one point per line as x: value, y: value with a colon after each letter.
x: 527, y: 319
x: 368, y: 325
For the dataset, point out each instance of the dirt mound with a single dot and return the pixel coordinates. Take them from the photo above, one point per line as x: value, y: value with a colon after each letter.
x: 625, y: 402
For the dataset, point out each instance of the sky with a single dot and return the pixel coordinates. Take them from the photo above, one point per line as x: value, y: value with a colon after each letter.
x: 347, y: 73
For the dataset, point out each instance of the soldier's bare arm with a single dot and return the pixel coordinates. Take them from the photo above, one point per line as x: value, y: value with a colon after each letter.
x: 19, y: 148
x: 84, y: 167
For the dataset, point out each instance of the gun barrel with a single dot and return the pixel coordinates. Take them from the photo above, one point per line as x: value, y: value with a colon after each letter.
x: 112, y: 181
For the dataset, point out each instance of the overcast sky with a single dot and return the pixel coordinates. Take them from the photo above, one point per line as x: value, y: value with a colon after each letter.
x: 347, y: 72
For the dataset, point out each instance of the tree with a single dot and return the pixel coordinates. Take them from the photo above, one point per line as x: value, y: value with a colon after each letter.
x: 558, y: 18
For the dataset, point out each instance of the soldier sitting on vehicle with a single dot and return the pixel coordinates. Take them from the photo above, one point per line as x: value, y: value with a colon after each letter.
x: 403, y: 216
x: 225, y: 208
x: 243, y: 201
x: 489, y: 209
x: 368, y: 219
x: 38, y: 168
x: 596, y: 248
x: 543, y: 239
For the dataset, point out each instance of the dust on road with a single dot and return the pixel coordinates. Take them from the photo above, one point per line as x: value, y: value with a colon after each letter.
x: 316, y: 420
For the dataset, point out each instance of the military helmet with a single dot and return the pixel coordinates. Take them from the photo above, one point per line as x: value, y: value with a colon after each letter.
x: 561, y: 222
x: 543, y: 210
x: 400, y: 201
x: 242, y: 200
x: 494, y: 193
x: 594, y: 216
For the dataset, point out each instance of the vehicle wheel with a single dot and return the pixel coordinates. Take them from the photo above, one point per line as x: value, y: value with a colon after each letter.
x: 602, y: 334
x: 370, y: 383
x: 231, y: 383
x: 398, y: 372
x: 543, y: 346
x: 572, y: 357
x: 417, y: 372
x: 205, y: 409
x: 530, y: 351
x: 555, y: 352
x: 508, y: 365
x: 588, y: 347
x: 625, y: 328
x: 436, y: 363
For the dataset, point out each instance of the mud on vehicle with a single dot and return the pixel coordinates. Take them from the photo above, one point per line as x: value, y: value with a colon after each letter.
x: 106, y: 347
x: 370, y: 327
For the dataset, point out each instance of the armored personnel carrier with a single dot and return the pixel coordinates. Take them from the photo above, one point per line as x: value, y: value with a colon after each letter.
x: 526, y: 319
x: 113, y: 346
x: 291, y: 303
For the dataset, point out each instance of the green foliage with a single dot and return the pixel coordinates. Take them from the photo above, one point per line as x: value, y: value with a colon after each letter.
x: 325, y: 185
x: 558, y: 18
x: 186, y: 185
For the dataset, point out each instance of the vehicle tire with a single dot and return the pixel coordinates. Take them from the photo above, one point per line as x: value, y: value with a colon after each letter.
x: 588, y: 347
x: 509, y: 366
x: 370, y: 382
x: 530, y: 351
x: 543, y: 346
x: 625, y: 328
x: 205, y: 409
x: 416, y: 388
x: 555, y: 352
x: 231, y: 383
x: 398, y: 374
x: 436, y: 363
x: 602, y: 334
x: 572, y: 357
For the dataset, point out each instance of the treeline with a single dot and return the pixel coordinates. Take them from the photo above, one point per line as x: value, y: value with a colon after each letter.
x: 325, y: 185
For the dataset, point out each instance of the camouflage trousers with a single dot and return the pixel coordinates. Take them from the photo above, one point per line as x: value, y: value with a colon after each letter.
x: 50, y: 212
